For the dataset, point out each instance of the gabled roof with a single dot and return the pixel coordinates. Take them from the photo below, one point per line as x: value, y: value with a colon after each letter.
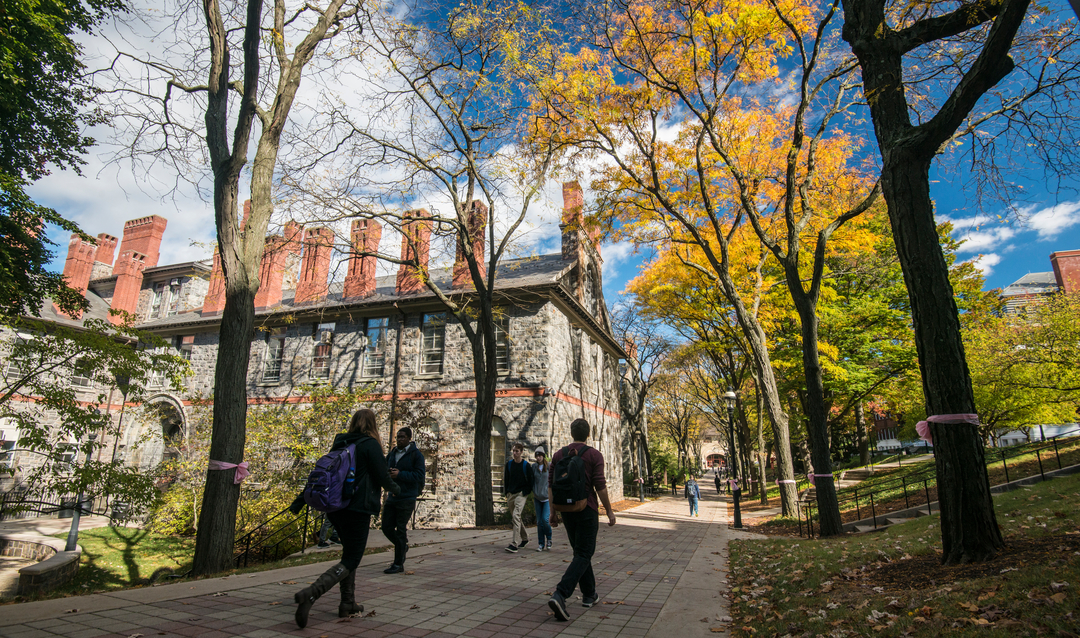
x: 99, y: 309
x: 512, y: 274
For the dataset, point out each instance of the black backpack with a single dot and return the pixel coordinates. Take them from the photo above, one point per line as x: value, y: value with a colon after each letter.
x: 569, y: 485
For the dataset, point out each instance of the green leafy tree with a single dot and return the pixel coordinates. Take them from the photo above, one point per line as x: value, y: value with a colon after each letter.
x: 42, y: 95
x: 39, y: 394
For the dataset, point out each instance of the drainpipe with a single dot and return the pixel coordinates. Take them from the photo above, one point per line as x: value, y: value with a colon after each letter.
x: 397, y: 379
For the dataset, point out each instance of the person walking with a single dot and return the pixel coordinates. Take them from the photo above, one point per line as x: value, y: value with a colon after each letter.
x: 517, y: 485
x: 540, y: 500
x: 351, y: 523
x: 581, y: 526
x: 406, y: 465
x: 692, y: 494
x: 716, y: 478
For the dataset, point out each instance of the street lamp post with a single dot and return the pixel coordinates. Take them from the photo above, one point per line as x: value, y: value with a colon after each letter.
x: 736, y: 491
x: 73, y: 533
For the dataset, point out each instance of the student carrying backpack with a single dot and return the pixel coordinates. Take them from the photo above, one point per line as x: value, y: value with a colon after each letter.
x: 569, y: 484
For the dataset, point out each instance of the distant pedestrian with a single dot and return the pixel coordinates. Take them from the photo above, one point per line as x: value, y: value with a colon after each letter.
x: 692, y: 494
x: 353, y: 522
x: 517, y: 485
x: 540, y: 500
x: 585, y: 474
x: 406, y: 466
x: 716, y: 479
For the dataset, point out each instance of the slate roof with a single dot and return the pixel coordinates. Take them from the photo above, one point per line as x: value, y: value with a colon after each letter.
x: 513, y: 274
x: 99, y: 309
x: 1031, y: 284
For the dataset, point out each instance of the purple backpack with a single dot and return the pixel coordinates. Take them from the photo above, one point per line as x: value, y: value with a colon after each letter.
x: 330, y: 485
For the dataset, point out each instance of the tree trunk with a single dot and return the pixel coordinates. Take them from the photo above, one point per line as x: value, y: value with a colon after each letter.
x: 217, y: 519
x: 817, y: 425
x: 969, y: 529
x: 862, y: 434
x: 486, y: 380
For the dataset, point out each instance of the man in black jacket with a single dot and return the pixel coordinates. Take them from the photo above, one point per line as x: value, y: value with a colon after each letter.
x: 517, y: 485
x: 406, y: 465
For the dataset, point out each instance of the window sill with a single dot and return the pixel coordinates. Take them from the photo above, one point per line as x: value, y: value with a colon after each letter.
x: 428, y: 376
x: 268, y: 384
x: 371, y: 378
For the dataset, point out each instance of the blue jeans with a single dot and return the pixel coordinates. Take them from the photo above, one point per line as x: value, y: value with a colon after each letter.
x: 543, y: 521
x: 693, y: 506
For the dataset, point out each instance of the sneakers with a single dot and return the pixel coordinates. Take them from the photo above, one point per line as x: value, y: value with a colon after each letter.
x: 540, y: 547
x: 523, y: 544
x: 558, y: 605
x: 394, y: 569
x: 512, y: 548
x: 589, y: 601
x: 323, y: 544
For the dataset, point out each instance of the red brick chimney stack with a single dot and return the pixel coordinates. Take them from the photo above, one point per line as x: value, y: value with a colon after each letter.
x: 360, y: 280
x: 415, y: 245
x: 106, y: 249
x: 275, y: 261
x: 1066, y: 265
x: 477, y: 227
x: 78, y: 266
x: 573, y: 222
x: 315, y: 265
x: 214, y: 301
x: 143, y: 236
x: 129, y: 275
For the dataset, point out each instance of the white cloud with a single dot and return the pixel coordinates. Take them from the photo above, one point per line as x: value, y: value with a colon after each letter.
x: 1050, y: 222
x: 981, y: 239
x: 986, y: 262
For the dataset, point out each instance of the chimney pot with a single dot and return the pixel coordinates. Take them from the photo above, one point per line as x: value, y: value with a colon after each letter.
x: 315, y: 265
x: 415, y: 246
x: 143, y: 236
x: 365, y: 237
x: 476, y: 225
x: 78, y: 265
x: 129, y: 277
x: 1066, y: 264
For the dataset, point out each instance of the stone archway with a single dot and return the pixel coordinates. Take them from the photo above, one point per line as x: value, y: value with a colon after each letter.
x: 159, y: 435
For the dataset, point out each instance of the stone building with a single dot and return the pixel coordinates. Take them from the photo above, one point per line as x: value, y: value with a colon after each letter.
x: 557, y: 357
x: 1034, y: 288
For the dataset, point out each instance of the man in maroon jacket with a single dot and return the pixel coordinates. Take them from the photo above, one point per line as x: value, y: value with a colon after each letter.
x: 581, y: 527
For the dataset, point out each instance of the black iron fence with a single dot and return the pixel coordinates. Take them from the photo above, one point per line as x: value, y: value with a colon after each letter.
x: 920, y: 488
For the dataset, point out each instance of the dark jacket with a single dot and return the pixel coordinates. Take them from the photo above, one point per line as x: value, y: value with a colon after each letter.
x: 411, y: 472
x: 515, y: 481
x: 371, y: 474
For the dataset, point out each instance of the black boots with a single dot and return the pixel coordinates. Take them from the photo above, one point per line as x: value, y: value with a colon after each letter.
x: 307, y: 596
x: 348, y: 605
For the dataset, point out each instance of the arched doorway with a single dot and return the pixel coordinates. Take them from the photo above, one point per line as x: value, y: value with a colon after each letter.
x: 158, y: 438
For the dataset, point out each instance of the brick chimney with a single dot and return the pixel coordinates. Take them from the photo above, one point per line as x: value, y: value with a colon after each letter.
x: 415, y: 246
x: 574, y: 235
x: 214, y: 301
x: 314, y: 265
x: 78, y: 266
x: 143, y: 236
x: 1066, y: 265
x: 275, y: 262
x: 360, y: 280
x: 476, y: 226
x: 129, y: 275
x: 106, y: 249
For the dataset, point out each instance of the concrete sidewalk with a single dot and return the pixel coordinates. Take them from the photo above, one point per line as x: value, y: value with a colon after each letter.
x: 659, y: 573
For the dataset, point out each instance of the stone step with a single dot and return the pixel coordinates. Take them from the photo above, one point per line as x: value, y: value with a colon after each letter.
x: 897, y: 521
x: 864, y: 529
x: 858, y: 474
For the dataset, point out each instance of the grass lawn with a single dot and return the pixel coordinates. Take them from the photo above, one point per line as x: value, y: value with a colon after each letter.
x: 125, y: 558
x: 891, y: 583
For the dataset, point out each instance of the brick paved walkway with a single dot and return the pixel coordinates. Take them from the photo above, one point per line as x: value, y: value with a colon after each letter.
x: 654, y: 570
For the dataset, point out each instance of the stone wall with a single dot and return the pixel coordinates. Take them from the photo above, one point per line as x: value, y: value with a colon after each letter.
x: 54, y: 568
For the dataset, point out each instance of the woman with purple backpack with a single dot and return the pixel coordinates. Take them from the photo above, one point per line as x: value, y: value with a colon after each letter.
x: 353, y: 522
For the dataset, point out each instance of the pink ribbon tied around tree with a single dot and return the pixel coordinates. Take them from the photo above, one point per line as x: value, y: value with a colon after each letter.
x: 241, y: 469
x: 923, y: 427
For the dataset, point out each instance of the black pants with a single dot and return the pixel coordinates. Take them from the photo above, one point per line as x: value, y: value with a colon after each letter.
x: 581, y: 528
x: 352, y: 529
x: 395, y: 518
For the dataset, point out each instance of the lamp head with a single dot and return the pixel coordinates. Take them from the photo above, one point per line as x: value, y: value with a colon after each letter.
x: 729, y: 397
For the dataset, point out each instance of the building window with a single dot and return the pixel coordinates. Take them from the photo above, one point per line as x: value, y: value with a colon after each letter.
x: 575, y: 354
x: 173, y: 306
x: 502, y: 346
x: 18, y: 363
x: 375, y: 352
x: 275, y: 355
x: 498, y: 453
x: 65, y: 455
x: 433, y: 343
x: 426, y: 437
x: 184, y: 345
x: 9, y: 441
x: 80, y: 374
x: 161, y: 294
x: 322, y: 354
